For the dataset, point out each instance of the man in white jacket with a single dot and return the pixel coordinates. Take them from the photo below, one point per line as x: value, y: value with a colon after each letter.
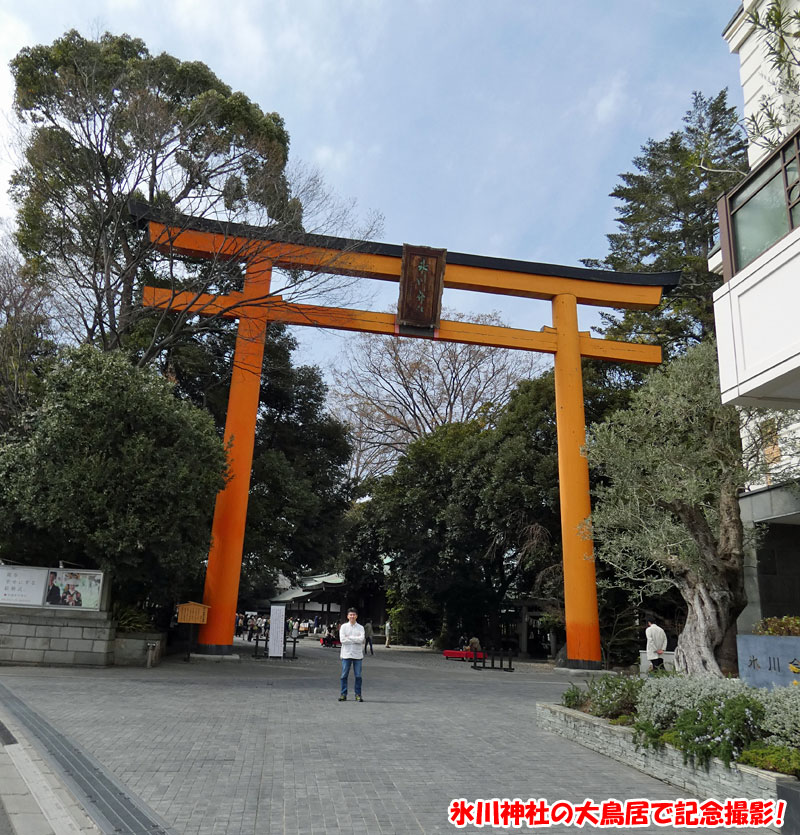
x: 656, y: 644
x: 351, y: 635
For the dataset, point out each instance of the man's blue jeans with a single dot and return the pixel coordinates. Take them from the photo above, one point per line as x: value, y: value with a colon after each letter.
x: 355, y: 663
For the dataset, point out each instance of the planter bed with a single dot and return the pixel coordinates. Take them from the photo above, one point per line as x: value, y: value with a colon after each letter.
x: 718, y: 782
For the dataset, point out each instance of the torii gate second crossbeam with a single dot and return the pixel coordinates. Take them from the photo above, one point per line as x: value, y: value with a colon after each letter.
x: 422, y: 274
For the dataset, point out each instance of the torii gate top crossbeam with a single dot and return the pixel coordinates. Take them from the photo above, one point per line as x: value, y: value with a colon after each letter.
x: 202, y: 238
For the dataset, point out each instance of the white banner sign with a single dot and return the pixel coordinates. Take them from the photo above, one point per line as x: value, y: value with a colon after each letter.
x: 277, y: 625
x: 22, y: 586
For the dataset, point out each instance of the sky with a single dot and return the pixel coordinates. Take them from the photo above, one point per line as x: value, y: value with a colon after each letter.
x: 495, y: 128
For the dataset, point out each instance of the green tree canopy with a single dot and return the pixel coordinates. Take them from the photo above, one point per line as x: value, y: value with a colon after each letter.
x: 112, y: 471
x: 470, y: 515
x: 108, y: 121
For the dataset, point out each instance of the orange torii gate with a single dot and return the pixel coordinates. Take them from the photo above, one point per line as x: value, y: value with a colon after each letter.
x: 422, y: 273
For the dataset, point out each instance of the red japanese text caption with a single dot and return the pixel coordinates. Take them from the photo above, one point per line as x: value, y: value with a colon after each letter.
x: 616, y: 814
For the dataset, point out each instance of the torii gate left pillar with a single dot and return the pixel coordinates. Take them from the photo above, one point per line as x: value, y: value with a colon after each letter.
x: 230, y: 512
x: 565, y: 287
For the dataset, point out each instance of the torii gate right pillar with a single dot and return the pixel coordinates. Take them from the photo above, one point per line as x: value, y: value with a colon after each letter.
x: 580, y: 588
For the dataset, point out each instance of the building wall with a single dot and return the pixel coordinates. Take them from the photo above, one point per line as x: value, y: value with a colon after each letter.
x: 755, y: 74
x: 757, y: 314
x: 778, y: 570
x: 758, y: 339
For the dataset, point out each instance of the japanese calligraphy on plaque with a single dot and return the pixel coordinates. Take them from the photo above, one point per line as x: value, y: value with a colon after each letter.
x: 769, y: 660
x: 22, y: 586
x: 192, y: 613
x: 421, y: 286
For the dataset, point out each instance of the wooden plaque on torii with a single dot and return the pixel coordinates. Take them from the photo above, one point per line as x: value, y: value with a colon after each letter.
x: 254, y: 307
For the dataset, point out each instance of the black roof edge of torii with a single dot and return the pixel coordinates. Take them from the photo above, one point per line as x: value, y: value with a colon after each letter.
x: 142, y: 212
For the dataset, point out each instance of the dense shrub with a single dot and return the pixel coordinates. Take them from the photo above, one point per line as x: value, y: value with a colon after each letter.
x: 781, y: 723
x: 703, y: 717
x: 625, y: 719
x: 780, y: 758
x: 613, y: 696
x: 663, y: 699
x: 575, y: 697
x: 606, y: 696
x: 787, y: 625
x: 719, y: 726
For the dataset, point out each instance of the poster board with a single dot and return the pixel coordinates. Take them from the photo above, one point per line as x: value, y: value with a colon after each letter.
x: 46, y: 587
x: 76, y: 588
x: 277, y: 627
x: 22, y: 586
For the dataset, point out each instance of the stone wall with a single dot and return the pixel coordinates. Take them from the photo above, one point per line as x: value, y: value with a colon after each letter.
x: 56, y: 636
x: 719, y: 782
x: 130, y: 648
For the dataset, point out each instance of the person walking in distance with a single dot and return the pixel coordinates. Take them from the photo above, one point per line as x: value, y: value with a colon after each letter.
x: 387, y: 630
x: 368, y: 635
x: 351, y: 636
x: 656, y: 644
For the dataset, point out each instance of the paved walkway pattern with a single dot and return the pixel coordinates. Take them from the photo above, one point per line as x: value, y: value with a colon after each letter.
x: 265, y: 747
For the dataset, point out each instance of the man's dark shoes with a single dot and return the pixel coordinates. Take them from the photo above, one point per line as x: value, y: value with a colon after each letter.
x: 359, y: 699
x: 342, y: 698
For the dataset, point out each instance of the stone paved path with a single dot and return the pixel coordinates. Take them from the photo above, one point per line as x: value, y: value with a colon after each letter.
x: 265, y: 747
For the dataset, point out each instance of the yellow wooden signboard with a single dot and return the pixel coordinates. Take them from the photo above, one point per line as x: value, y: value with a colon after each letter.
x: 192, y: 613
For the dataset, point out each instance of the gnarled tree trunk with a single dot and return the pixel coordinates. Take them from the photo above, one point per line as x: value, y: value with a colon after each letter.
x: 714, y: 595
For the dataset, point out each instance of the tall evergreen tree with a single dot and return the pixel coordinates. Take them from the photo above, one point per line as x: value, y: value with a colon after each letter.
x: 667, y: 220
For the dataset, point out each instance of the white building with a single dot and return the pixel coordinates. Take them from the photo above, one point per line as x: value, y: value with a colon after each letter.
x: 756, y: 312
x: 755, y: 309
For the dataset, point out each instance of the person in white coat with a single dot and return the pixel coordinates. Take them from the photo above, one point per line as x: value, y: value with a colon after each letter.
x: 352, y: 638
x: 656, y: 644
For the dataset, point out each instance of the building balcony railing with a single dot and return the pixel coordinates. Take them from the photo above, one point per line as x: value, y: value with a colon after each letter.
x: 763, y: 208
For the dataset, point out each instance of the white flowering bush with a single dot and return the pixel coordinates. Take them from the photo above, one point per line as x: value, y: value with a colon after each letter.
x: 664, y: 698
x: 720, y: 726
x: 781, y: 723
x: 707, y: 717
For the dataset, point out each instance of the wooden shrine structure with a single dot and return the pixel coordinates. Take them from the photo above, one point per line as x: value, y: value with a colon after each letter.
x: 422, y: 274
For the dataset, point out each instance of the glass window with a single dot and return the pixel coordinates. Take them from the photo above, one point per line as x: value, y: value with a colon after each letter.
x: 760, y: 222
x: 741, y: 197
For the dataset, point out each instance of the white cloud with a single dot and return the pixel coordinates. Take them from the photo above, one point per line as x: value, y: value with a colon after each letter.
x: 611, y: 100
x: 333, y: 160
